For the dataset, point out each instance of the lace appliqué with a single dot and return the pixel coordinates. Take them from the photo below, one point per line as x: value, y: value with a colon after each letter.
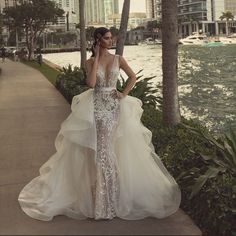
x: 106, y: 115
x: 106, y: 111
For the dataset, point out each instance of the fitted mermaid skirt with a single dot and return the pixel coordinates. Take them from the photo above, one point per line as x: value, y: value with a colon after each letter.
x: 104, y: 166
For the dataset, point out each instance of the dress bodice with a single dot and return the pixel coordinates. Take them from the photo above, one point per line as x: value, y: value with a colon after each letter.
x: 111, y: 78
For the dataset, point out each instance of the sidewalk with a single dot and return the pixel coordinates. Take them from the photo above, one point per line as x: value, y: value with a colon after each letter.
x: 31, y: 111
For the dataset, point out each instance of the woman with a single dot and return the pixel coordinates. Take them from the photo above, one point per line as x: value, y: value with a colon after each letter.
x: 105, y: 165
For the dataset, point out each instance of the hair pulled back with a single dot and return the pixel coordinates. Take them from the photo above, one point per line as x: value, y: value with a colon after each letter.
x: 97, y: 35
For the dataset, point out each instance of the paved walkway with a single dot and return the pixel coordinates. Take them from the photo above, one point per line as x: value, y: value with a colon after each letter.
x: 31, y: 111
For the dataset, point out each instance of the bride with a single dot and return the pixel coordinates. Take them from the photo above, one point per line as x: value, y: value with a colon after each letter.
x: 105, y: 165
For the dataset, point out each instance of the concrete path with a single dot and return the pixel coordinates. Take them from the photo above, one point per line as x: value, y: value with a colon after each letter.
x: 31, y: 111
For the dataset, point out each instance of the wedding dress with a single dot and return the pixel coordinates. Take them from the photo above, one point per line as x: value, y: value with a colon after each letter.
x: 105, y: 165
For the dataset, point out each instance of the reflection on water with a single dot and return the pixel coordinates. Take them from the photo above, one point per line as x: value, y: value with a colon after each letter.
x: 207, y: 82
x: 207, y: 78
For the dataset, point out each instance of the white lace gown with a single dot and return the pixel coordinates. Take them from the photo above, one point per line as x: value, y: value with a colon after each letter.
x: 105, y: 165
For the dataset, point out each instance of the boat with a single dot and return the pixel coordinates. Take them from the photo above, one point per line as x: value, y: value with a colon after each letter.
x: 150, y: 41
x: 194, y: 39
x: 203, y: 40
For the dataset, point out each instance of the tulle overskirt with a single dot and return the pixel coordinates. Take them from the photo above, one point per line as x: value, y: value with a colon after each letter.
x: 64, y: 184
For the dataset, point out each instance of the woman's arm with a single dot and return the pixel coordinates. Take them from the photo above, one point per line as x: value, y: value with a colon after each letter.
x: 131, y: 75
x: 91, y: 67
x: 91, y: 70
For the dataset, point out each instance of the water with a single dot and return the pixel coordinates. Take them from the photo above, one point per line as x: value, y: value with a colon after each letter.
x: 207, y: 79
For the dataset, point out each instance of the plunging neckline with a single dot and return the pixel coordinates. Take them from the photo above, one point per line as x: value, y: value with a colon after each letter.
x: 106, y: 75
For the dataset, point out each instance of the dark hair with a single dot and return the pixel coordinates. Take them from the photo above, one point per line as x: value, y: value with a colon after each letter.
x: 98, y: 33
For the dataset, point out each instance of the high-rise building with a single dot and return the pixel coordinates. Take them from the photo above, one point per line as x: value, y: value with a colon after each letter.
x: 135, y: 19
x: 153, y: 9
x: 71, y: 16
x: 5, y: 30
x: 204, y: 15
x: 188, y: 9
x: 6, y: 3
x: 150, y: 9
x: 97, y: 12
x: 195, y: 15
x: 94, y: 12
x: 110, y: 7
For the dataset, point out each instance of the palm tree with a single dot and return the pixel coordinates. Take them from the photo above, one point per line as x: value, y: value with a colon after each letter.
x: 83, y: 45
x: 227, y: 15
x: 123, y: 27
x: 171, y: 112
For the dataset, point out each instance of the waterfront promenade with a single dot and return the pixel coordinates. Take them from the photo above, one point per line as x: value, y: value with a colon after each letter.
x: 31, y: 111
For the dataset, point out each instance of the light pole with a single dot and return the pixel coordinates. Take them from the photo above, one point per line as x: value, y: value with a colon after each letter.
x: 17, y: 40
x: 67, y: 21
x: 43, y: 40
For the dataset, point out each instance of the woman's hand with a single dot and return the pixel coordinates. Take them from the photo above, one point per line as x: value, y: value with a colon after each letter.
x: 96, y: 50
x: 117, y: 95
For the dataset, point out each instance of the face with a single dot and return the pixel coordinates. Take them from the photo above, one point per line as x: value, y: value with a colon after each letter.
x: 106, y: 40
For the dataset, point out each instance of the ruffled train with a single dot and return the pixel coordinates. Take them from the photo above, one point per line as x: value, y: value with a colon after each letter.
x: 66, y: 180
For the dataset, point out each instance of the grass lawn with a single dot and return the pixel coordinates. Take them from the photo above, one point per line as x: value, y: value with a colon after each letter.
x: 49, y: 72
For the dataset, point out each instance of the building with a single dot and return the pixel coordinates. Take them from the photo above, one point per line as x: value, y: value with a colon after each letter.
x: 134, y: 36
x: 70, y: 18
x: 192, y: 15
x: 150, y: 9
x: 195, y: 15
x: 97, y: 12
x: 6, y: 3
x: 5, y: 30
x: 135, y: 19
x: 110, y: 7
x: 153, y: 9
x: 204, y: 15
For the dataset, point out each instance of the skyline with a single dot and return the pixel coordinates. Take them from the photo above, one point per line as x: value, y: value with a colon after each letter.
x: 135, y: 6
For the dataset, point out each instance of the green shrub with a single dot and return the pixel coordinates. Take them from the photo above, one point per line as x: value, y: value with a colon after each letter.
x: 143, y: 89
x: 213, y: 206
x: 71, y: 82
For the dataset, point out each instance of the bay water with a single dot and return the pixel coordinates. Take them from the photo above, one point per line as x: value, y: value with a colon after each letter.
x: 206, y: 79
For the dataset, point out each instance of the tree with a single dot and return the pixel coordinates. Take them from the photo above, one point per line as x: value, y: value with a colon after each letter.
x: 114, y: 31
x: 171, y: 112
x: 83, y: 45
x: 153, y: 26
x: 89, y: 33
x: 1, y: 29
x: 32, y: 16
x: 123, y: 27
x: 227, y: 15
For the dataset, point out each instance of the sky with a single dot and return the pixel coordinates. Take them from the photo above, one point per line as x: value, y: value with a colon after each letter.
x: 135, y: 5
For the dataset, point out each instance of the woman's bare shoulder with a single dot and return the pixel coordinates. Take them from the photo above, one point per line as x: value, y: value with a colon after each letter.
x: 122, y: 60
